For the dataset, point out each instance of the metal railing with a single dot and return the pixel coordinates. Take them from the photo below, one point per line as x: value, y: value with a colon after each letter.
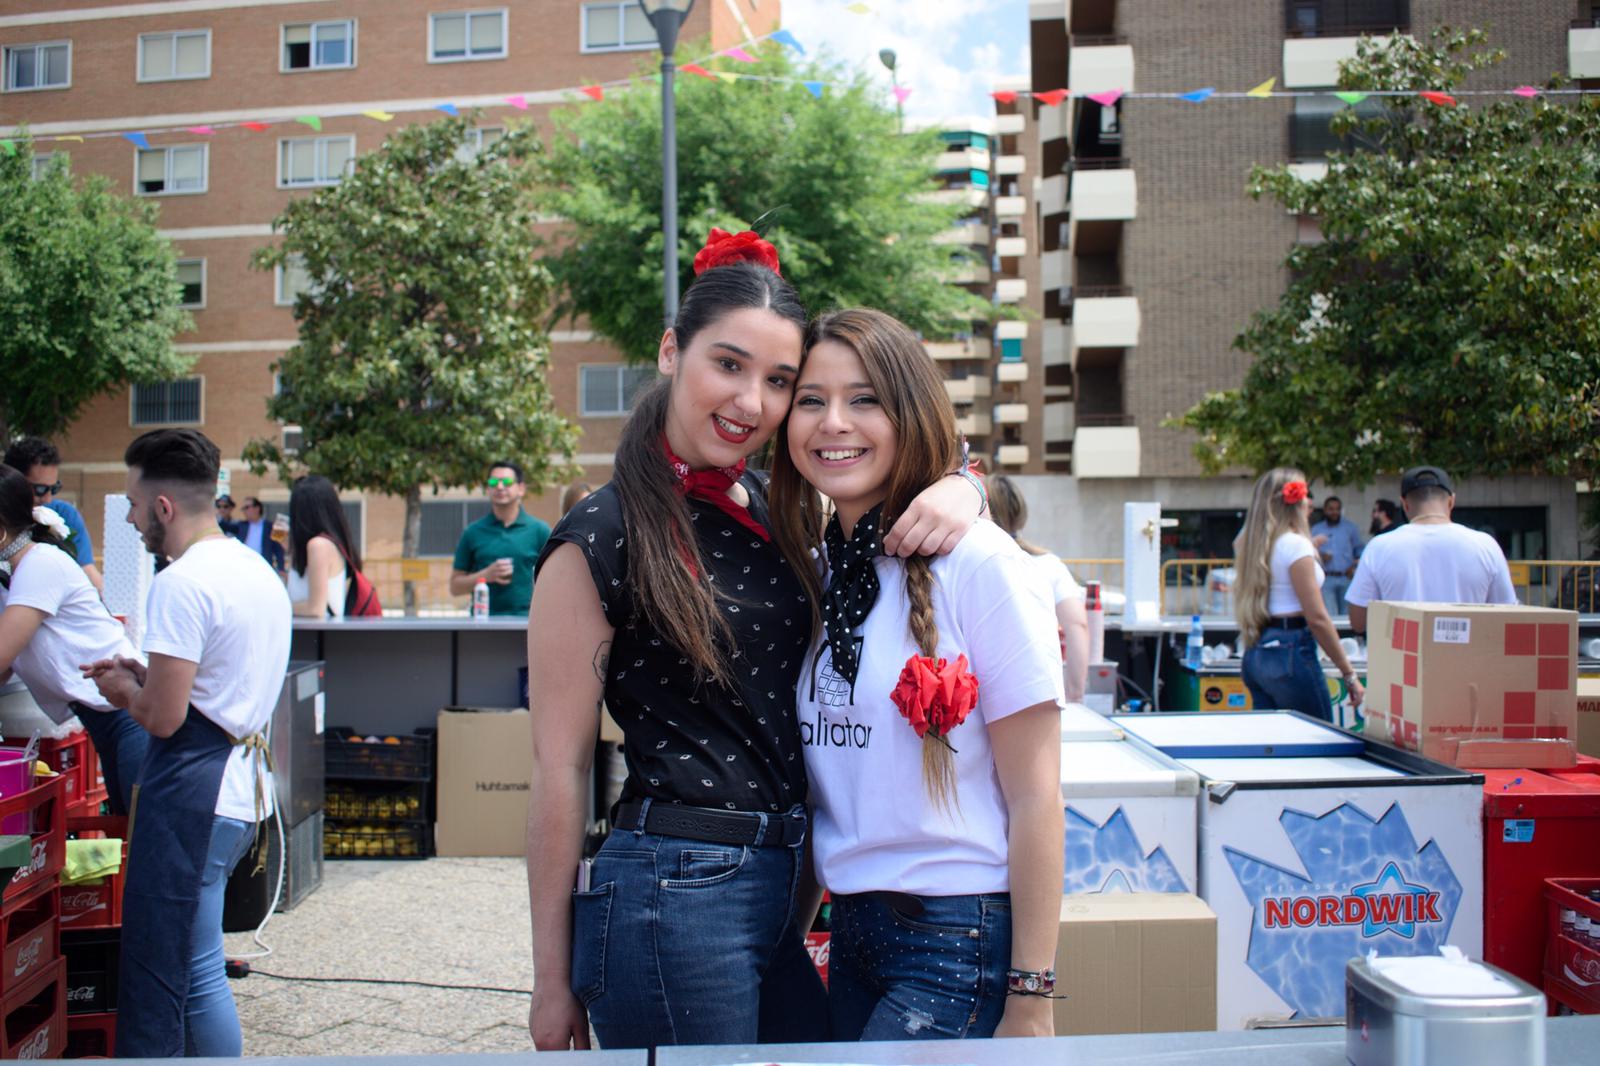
x: 1103, y: 419
x: 429, y: 577
x: 1095, y: 292
x: 1097, y: 40
x: 1106, y: 571
x: 1102, y: 162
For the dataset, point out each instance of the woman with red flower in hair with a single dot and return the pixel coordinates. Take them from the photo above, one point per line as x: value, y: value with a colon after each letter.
x: 1278, y: 602
x: 662, y: 597
x: 929, y: 709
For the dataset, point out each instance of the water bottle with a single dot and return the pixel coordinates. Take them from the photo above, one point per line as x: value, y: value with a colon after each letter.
x: 1194, y: 653
x: 1094, y: 606
x: 480, y: 599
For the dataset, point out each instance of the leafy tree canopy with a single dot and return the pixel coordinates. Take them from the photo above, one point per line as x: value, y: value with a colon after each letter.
x: 1451, y: 313
x: 842, y: 186
x: 422, y: 355
x: 89, y: 294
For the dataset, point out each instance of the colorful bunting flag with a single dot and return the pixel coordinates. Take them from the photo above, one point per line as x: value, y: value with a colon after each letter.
x: 696, y: 68
x: 138, y: 138
x: 1264, y: 90
x: 449, y: 109
x: 518, y: 101
x: 68, y: 137
x: 1004, y: 96
x: 785, y: 37
x: 379, y: 116
x: 727, y: 76
x: 859, y: 9
x: 204, y: 131
x: 593, y: 92
x: 8, y: 147
x: 1106, y: 99
x: 1527, y: 92
x: 310, y: 120
x: 1198, y: 96
x: 1351, y: 98
x: 1052, y: 98
x: 900, y: 94
x: 738, y: 54
x: 814, y: 88
x: 259, y: 127
x: 1441, y: 99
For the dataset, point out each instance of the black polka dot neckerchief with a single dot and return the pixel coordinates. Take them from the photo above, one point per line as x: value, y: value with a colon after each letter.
x: 852, y: 586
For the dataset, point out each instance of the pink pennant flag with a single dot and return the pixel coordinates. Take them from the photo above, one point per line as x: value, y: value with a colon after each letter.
x: 739, y: 54
x: 900, y: 93
x: 518, y: 101
x: 696, y: 68
x: 593, y: 92
x: 1106, y: 99
x: 204, y: 131
x: 1527, y: 92
x: 1051, y: 98
x: 1004, y: 96
x: 1441, y: 99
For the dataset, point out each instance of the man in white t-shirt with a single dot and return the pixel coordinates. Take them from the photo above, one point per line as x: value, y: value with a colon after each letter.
x: 1430, y: 559
x: 217, y: 634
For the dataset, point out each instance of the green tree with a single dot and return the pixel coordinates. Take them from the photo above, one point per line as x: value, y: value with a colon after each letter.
x: 422, y: 353
x: 842, y: 186
x: 89, y: 294
x: 1451, y: 313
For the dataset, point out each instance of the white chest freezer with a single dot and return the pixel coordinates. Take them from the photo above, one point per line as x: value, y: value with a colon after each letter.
x: 1130, y: 818
x: 1080, y: 723
x: 1316, y: 846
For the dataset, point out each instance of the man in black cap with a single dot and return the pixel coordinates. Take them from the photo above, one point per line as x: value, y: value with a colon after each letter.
x: 1430, y: 559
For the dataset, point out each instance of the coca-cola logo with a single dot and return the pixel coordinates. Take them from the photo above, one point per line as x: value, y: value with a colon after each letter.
x: 37, y: 1045
x: 28, y: 956
x: 82, y: 994
x: 819, y: 953
x: 87, y: 899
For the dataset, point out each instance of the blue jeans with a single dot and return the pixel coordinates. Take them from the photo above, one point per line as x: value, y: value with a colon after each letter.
x: 211, y: 1023
x: 1282, y: 672
x: 938, y: 975
x: 1334, y: 586
x: 121, y: 744
x: 686, y: 942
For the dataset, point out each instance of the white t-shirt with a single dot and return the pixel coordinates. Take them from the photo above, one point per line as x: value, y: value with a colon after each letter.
x: 875, y: 826
x: 77, y: 629
x: 1063, y: 586
x: 1288, y: 549
x: 1432, y: 563
x: 219, y: 605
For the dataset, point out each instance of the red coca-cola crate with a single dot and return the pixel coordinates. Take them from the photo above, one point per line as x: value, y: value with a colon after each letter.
x: 817, y: 946
x: 45, y: 808
x: 33, y: 1018
x: 91, y: 1036
x: 1572, y: 963
x: 30, y: 936
x: 69, y: 757
x: 97, y: 906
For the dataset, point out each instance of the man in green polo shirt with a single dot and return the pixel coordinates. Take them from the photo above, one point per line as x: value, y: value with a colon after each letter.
x: 502, y: 546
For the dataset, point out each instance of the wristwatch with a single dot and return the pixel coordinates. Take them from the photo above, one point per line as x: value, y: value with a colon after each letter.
x: 1030, y: 982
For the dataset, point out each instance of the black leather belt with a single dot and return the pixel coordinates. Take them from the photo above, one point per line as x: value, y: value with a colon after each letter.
x: 1297, y: 621
x: 713, y: 826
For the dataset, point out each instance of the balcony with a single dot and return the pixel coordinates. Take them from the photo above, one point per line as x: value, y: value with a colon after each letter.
x: 1108, y: 194
x: 1011, y: 455
x: 1011, y: 330
x: 1100, y: 67
x: 1010, y: 290
x: 1313, y: 171
x: 1011, y: 373
x: 1104, y: 317
x: 1008, y: 165
x: 950, y: 351
x: 966, y: 390
x: 1058, y: 423
x: 972, y: 234
x: 969, y: 272
x: 974, y: 425
x: 1010, y: 414
x: 1583, y: 49
x: 1053, y: 195
x: 1010, y: 206
x: 1313, y: 62
x: 1057, y: 344
x: 1055, y: 270
x: 1045, y: 10
x: 1055, y: 123
x: 1343, y: 18
x: 967, y: 197
x: 963, y: 159
x: 1105, y: 450
x: 1009, y: 247
x: 1010, y: 123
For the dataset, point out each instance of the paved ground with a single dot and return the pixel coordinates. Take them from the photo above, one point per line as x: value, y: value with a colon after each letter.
x: 443, y: 921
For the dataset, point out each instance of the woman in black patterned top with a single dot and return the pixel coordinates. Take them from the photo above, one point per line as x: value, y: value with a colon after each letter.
x: 662, y: 596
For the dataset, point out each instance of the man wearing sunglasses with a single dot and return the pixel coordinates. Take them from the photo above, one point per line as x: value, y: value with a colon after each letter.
x: 501, y: 547
x: 40, y: 463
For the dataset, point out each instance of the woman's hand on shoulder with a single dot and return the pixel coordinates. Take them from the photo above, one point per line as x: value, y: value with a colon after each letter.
x: 936, y: 520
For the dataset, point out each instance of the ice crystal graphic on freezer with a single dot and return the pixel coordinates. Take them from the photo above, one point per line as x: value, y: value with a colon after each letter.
x: 1369, y: 887
x: 1109, y: 858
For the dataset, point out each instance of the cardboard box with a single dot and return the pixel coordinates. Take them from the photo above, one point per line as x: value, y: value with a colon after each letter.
x: 485, y: 765
x: 1589, y: 716
x: 1474, y: 685
x: 1143, y: 962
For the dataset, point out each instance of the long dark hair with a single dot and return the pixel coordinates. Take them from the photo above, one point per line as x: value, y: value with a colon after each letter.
x: 911, y: 392
x: 665, y: 567
x: 1009, y: 510
x: 16, y: 507
x: 314, y: 511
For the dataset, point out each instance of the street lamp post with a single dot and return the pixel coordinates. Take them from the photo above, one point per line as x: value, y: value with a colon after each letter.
x: 667, y: 16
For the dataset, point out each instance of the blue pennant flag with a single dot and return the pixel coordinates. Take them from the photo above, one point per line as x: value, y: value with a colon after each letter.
x: 785, y: 37
x: 138, y: 138
x: 814, y: 88
x: 449, y: 109
x: 1198, y: 96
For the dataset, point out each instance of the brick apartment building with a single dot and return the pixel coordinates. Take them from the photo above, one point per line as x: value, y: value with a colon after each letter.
x: 1152, y: 257
x: 78, y: 67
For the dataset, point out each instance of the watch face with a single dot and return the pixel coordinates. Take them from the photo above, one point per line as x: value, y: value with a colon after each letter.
x: 1031, y: 984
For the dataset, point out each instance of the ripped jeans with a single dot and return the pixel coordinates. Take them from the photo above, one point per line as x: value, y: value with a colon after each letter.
x: 936, y: 975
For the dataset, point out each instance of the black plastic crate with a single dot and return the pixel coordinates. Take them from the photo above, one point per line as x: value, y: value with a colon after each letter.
x: 376, y: 801
x: 92, y: 959
x: 377, y: 840
x: 347, y: 755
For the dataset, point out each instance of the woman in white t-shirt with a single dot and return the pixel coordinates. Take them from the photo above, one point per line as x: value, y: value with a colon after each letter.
x: 52, y: 622
x: 1010, y: 512
x: 939, y: 839
x: 1278, y: 602
x: 321, y: 550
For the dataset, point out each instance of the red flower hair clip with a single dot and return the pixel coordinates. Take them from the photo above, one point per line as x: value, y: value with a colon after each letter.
x: 1294, y: 491
x: 723, y: 248
x: 935, y: 695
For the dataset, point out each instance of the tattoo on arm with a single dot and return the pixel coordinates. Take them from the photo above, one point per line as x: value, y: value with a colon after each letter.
x: 602, y: 656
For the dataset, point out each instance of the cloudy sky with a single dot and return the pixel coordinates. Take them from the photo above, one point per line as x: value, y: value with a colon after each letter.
x: 950, y: 51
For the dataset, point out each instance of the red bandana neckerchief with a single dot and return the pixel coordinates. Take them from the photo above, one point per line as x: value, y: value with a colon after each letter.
x: 712, y: 486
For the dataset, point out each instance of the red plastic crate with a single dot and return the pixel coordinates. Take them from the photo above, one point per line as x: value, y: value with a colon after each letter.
x: 1571, y: 966
x: 33, y: 1019
x: 96, y: 906
x: 68, y: 757
x: 91, y: 1036
x: 817, y: 946
x: 46, y: 808
x: 30, y: 936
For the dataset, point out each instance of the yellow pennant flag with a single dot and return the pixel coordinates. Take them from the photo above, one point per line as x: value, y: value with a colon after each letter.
x: 1264, y: 90
x: 381, y: 116
x: 726, y: 76
x: 859, y: 9
x: 68, y: 137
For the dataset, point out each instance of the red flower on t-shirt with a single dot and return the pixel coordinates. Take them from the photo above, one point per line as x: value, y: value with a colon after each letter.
x: 935, y: 695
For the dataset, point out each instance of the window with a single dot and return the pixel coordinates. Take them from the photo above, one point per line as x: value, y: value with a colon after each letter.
x: 615, y: 27
x: 166, y: 403
x: 319, y: 45
x: 164, y: 171
x: 477, y: 141
x: 314, y: 160
x: 611, y: 390
x: 192, y: 276
x: 291, y: 280
x: 38, y: 66
x: 443, y: 522
x: 175, y: 56
x: 467, y: 35
x: 43, y: 161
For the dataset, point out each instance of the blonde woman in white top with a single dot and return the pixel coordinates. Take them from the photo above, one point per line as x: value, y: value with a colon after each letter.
x: 1278, y: 602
